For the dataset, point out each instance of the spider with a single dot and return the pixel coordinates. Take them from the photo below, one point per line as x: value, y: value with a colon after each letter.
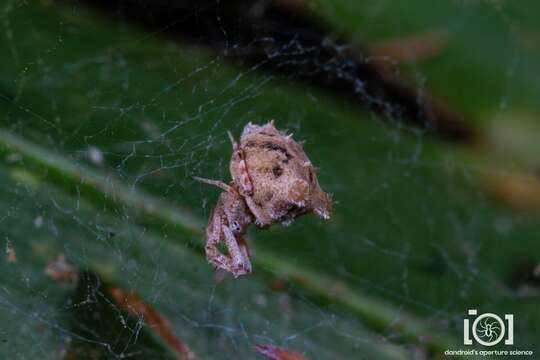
x: 489, y: 330
x: 273, y: 181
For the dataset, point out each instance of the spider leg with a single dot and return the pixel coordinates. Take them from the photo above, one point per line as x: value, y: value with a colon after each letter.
x: 240, y: 263
x: 220, y: 184
x: 214, y: 236
x: 233, y: 142
x: 216, y: 258
x: 244, y: 185
x: 244, y: 182
x: 242, y: 244
x: 483, y: 325
x: 237, y: 261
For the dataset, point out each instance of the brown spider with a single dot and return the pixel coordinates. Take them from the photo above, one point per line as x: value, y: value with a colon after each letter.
x: 273, y: 181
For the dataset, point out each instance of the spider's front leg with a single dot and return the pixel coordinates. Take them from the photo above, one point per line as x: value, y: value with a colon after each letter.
x: 226, y: 225
x: 244, y: 249
x: 239, y: 170
x: 238, y: 252
x: 237, y: 262
x: 213, y: 238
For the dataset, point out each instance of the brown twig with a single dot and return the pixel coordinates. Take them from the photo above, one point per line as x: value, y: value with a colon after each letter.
x: 278, y: 353
x: 414, y: 47
x: 132, y: 303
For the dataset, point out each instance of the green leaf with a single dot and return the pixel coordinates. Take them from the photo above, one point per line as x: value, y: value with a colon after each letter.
x: 103, y: 127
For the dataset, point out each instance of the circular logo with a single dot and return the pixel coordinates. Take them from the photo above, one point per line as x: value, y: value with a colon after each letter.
x: 488, y: 329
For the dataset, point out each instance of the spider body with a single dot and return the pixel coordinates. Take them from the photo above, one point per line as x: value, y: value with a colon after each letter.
x: 273, y: 181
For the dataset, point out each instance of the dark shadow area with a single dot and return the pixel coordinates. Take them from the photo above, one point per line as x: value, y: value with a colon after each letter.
x: 285, y: 38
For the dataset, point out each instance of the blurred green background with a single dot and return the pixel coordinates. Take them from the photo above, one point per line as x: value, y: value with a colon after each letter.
x: 103, y: 125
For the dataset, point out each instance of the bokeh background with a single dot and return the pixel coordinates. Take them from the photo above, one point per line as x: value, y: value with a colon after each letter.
x: 422, y: 117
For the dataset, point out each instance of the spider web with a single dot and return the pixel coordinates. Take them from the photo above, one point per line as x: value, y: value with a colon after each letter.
x: 411, y: 226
